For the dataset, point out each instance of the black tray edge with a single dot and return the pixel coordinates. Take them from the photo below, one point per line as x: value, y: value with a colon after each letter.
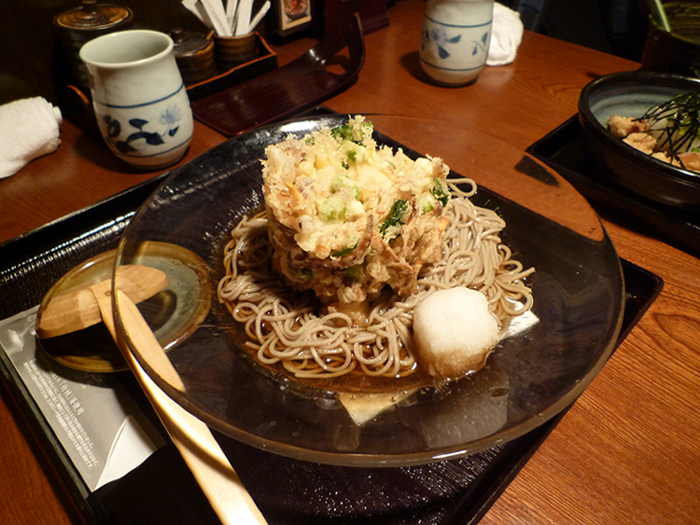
x: 79, y: 218
x: 612, y: 200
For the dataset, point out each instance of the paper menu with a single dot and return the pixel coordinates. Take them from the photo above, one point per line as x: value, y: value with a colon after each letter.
x: 98, y: 423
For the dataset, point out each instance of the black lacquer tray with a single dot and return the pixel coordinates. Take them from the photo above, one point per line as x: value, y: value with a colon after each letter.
x: 564, y: 150
x: 161, y: 490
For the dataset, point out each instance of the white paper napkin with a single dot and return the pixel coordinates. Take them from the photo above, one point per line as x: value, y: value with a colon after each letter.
x: 29, y: 128
x: 94, y: 417
x: 506, y: 35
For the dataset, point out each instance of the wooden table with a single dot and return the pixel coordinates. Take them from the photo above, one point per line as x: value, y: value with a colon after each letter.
x: 627, y: 452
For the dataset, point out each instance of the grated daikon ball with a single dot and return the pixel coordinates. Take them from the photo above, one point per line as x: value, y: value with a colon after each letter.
x: 454, y: 331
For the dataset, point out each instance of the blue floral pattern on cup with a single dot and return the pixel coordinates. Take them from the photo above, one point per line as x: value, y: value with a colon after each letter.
x: 141, y: 139
x: 441, y: 40
x: 455, y: 40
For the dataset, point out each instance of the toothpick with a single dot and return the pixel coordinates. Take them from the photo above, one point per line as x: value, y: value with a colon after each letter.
x: 231, y: 7
x: 243, y: 22
x: 215, y: 10
x: 259, y: 16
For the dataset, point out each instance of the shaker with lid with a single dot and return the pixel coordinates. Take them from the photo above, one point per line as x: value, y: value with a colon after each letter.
x: 194, y: 53
x: 81, y: 24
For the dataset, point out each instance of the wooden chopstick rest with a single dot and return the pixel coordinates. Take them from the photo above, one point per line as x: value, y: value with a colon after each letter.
x: 77, y: 309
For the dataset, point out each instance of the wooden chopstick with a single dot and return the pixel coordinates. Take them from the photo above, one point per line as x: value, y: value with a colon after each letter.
x: 192, y: 437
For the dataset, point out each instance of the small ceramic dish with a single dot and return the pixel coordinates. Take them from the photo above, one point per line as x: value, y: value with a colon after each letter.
x: 631, y: 94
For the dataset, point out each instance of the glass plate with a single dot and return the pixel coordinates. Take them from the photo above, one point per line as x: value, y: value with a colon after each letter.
x: 529, y: 378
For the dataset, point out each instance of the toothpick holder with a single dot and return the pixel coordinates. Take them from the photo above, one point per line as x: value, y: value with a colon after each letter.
x: 232, y: 51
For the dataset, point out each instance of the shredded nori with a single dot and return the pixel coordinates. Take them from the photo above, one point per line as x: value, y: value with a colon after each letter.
x: 682, y: 114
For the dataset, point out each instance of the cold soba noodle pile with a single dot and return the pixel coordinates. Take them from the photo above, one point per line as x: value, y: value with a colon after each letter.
x: 353, y: 238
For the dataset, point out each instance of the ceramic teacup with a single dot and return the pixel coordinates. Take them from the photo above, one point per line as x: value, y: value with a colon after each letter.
x: 455, y: 40
x: 677, y: 52
x: 139, y: 97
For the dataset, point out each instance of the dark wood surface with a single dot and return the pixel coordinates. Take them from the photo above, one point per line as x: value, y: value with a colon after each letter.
x: 627, y: 452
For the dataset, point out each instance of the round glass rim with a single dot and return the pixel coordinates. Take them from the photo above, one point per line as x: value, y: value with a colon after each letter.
x: 384, y: 459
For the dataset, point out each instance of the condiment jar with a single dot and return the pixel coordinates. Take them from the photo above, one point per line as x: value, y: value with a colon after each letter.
x: 194, y: 53
x: 81, y: 24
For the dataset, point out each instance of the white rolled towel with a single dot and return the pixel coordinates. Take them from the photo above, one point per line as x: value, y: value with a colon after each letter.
x: 506, y: 35
x: 29, y: 128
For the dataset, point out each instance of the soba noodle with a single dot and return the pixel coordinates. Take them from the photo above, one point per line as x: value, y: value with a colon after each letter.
x: 288, y: 327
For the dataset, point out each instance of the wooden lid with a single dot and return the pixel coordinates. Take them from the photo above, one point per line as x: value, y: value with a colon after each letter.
x: 92, y: 16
